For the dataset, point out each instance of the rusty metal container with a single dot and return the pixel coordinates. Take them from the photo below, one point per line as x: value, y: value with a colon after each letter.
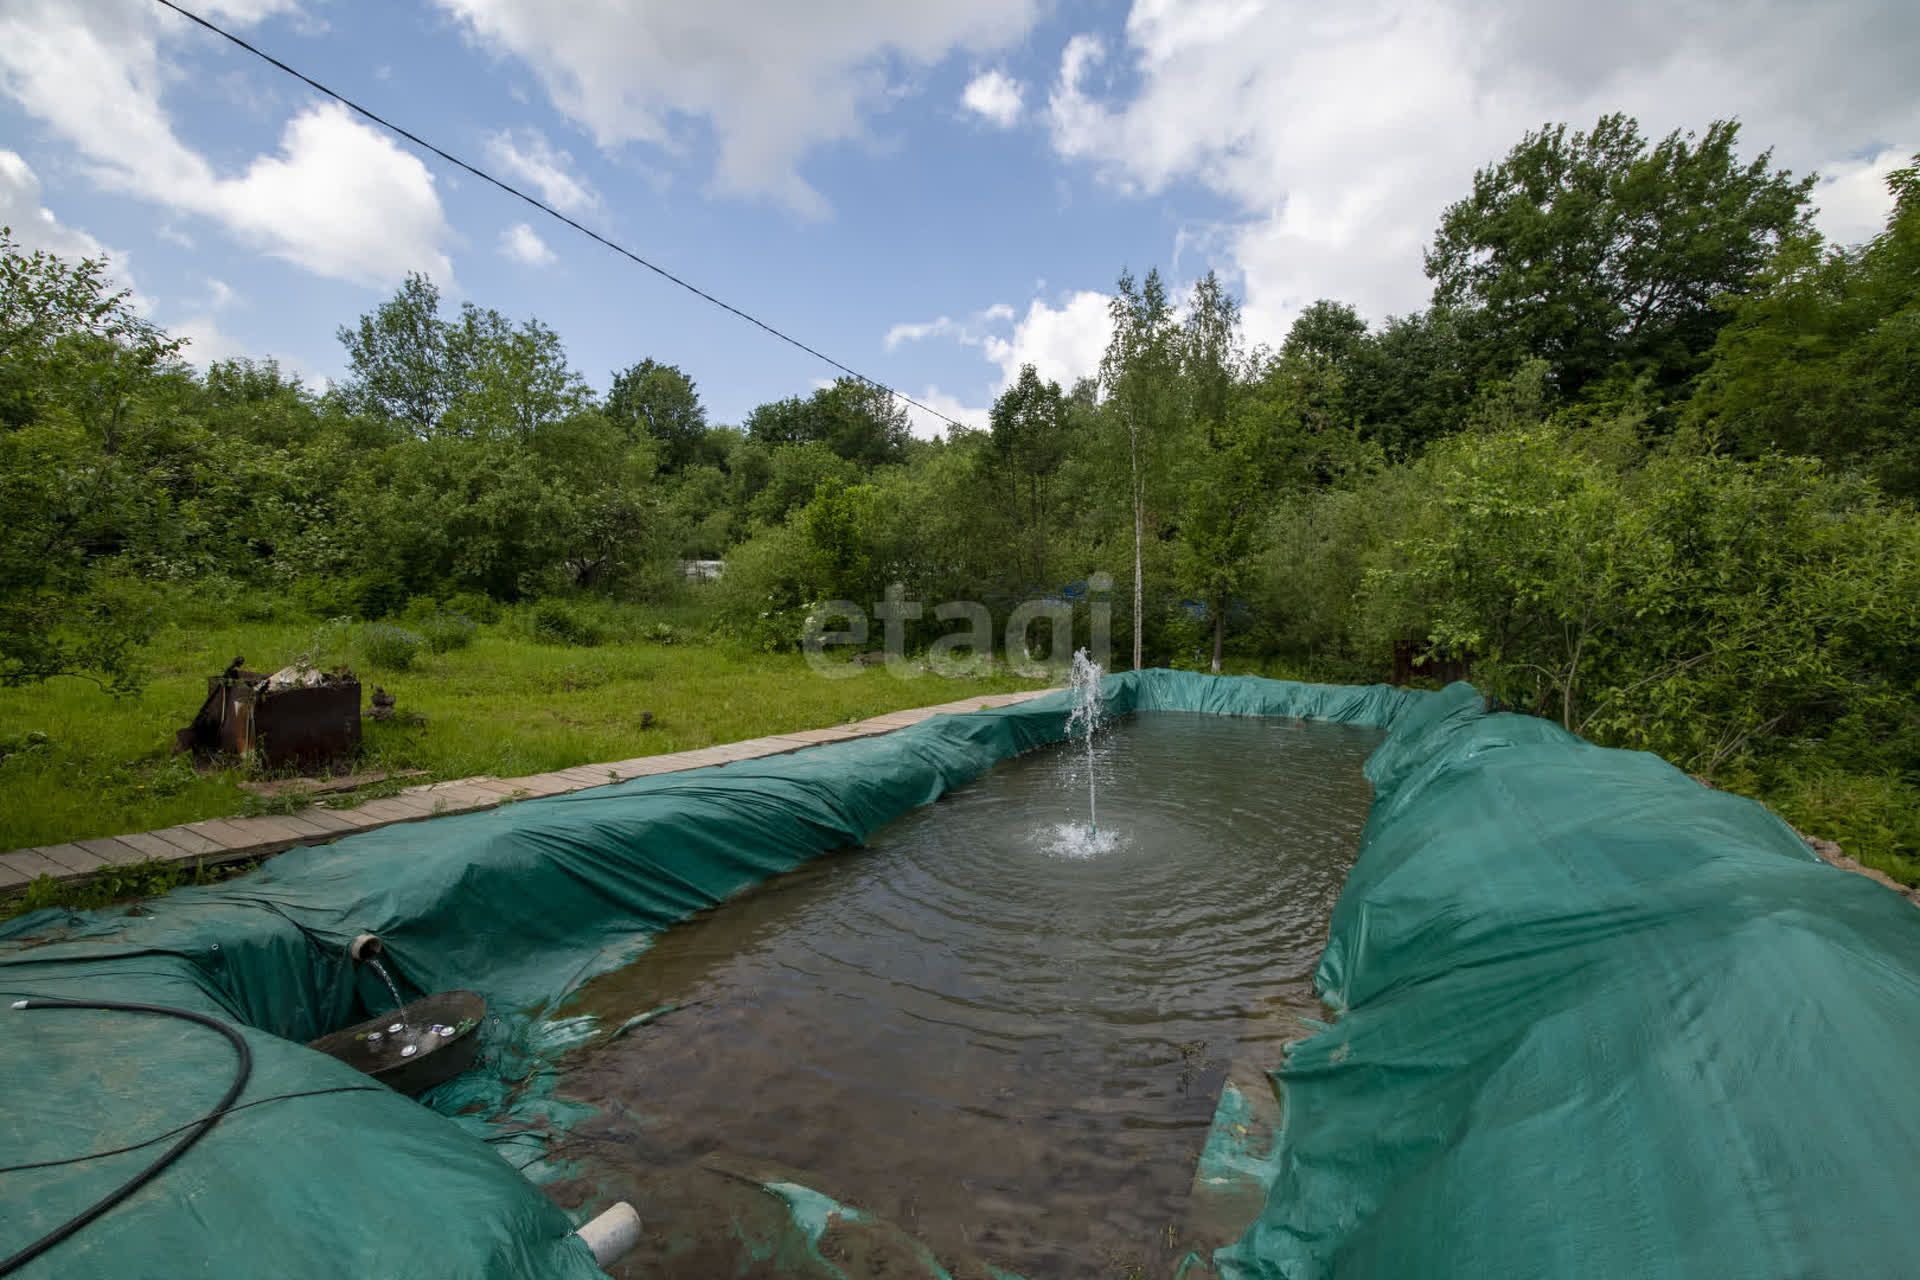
x: 300, y: 726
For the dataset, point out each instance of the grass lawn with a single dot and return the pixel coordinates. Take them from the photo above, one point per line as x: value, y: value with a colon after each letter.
x: 81, y: 763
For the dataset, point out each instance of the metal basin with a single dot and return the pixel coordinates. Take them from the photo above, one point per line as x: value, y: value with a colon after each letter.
x: 376, y: 1048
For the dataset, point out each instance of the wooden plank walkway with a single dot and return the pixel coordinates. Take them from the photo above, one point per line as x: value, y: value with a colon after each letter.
x: 216, y: 840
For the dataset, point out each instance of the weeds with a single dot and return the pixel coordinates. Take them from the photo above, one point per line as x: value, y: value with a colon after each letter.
x: 554, y: 621
x: 129, y: 882
x: 386, y: 647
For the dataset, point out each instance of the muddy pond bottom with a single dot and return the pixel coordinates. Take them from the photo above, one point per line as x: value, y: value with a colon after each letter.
x: 993, y: 1034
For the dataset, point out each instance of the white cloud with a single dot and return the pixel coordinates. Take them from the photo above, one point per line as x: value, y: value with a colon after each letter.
x: 341, y: 200
x: 205, y: 342
x: 1338, y: 134
x: 33, y: 224
x: 970, y: 332
x: 1853, y: 197
x: 995, y: 95
x: 526, y: 154
x: 338, y: 199
x: 919, y: 332
x: 1079, y: 125
x: 930, y: 427
x: 769, y: 81
x: 1063, y: 344
x: 524, y: 245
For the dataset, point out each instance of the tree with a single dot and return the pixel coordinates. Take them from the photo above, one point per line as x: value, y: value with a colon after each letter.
x: 1593, y: 250
x: 93, y: 446
x: 658, y: 400
x: 1410, y: 382
x: 857, y: 420
x: 1139, y: 372
x: 402, y: 368
x: 1028, y: 438
x: 1224, y: 464
x: 1328, y: 333
x: 515, y: 381
x: 839, y: 522
x: 478, y: 377
x: 794, y: 472
x: 1825, y: 358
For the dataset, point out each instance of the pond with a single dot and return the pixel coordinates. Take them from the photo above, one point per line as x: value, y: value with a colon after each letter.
x: 999, y: 1035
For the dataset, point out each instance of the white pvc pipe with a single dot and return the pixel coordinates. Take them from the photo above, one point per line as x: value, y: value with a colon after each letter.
x: 612, y: 1233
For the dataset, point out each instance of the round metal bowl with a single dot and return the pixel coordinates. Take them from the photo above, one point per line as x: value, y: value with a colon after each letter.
x: 375, y: 1048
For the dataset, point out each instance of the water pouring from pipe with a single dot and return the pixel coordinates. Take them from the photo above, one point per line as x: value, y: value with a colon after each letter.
x: 394, y: 991
x: 417, y: 1045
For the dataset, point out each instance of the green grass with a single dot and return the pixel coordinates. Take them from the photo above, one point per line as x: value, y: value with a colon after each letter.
x: 1872, y: 817
x: 79, y: 763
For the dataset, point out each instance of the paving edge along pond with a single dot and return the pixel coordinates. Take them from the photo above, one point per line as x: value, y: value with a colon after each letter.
x: 1590, y: 1019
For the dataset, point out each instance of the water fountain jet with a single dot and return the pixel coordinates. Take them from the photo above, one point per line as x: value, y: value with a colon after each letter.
x: 1085, y: 718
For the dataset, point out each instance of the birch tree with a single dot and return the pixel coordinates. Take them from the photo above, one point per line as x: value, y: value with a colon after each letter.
x: 1138, y: 376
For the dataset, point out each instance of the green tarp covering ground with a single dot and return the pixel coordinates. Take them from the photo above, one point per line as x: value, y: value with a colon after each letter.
x: 1599, y: 1020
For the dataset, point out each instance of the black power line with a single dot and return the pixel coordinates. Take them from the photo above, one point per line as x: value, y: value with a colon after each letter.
x: 552, y: 212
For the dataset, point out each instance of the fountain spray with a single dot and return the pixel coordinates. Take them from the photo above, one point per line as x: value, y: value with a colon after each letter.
x: 1085, y: 718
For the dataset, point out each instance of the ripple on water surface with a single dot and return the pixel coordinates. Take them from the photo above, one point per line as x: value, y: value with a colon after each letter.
x: 993, y: 1026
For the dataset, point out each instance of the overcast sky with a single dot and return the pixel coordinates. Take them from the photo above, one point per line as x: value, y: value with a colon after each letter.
x: 932, y: 192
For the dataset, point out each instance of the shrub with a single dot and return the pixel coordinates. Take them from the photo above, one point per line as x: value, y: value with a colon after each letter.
x: 445, y: 630
x: 388, y: 647
x: 376, y: 594
x: 553, y: 621
x: 479, y: 606
x: 327, y: 597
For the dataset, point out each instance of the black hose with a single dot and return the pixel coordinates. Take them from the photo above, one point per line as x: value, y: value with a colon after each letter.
x: 195, y: 1133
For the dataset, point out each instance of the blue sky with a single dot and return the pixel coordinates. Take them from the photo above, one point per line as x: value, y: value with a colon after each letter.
x: 933, y: 193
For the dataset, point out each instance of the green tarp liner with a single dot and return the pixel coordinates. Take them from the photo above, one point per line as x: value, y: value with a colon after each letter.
x: 521, y: 904
x: 1597, y: 1019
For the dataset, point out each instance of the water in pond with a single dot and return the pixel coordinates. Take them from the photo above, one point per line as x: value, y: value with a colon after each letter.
x: 1004, y: 1043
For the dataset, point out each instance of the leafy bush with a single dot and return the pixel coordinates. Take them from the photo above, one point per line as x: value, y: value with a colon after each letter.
x: 445, y: 630
x: 479, y: 606
x: 553, y: 621
x: 1707, y: 609
x: 327, y: 597
x: 763, y: 599
x: 376, y: 594
x: 388, y: 647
